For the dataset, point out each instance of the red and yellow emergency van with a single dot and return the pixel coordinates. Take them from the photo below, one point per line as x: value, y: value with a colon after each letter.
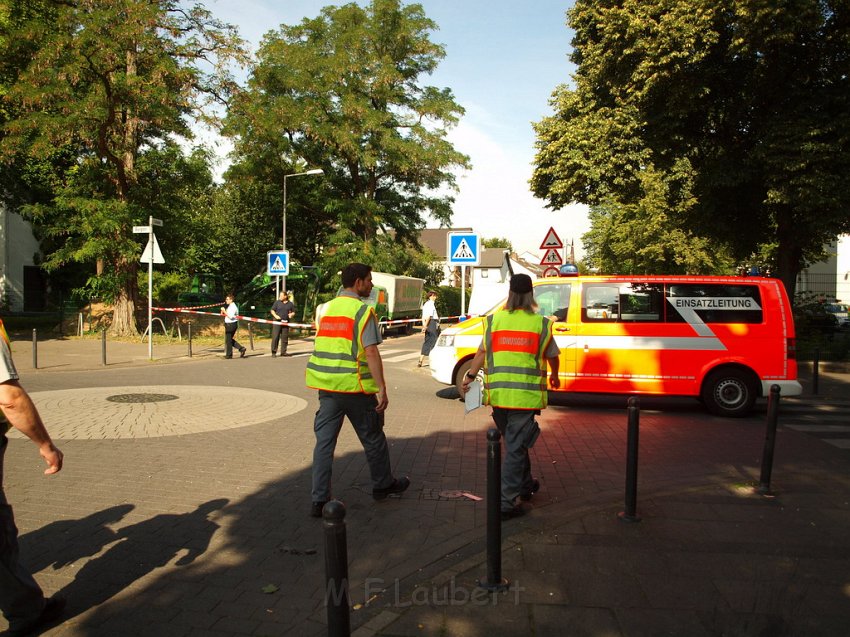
x: 725, y: 340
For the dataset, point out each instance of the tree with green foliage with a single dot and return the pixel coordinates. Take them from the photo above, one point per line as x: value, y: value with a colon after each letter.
x: 498, y: 242
x: 111, y: 80
x: 342, y: 92
x: 738, y: 111
x: 649, y: 236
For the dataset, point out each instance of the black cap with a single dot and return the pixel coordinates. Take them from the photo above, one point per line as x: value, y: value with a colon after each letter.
x: 521, y: 283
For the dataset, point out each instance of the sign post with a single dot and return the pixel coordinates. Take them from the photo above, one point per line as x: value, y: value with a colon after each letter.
x: 463, y: 249
x: 150, y: 255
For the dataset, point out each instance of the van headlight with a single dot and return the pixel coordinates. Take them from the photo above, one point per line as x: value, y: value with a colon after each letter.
x: 446, y: 340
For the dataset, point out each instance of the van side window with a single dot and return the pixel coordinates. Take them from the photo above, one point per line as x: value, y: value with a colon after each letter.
x: 641, y: 303
x: 553, y: 300
x: 715, y: 303
x: 625, y: 303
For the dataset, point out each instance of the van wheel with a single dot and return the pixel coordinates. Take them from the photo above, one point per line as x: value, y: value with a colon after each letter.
x: 729, y: 392
x: 461, y: 372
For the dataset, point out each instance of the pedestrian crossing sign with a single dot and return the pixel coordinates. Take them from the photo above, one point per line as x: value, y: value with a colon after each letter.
x: 463, y: 248
x: 277, y: 262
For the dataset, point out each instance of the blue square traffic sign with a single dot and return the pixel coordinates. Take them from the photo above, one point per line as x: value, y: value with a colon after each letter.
x: 277, y: 262
x: 463, y: 248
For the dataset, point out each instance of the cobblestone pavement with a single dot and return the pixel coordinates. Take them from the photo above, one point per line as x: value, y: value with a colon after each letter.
x: 206, y: 532
x: 151, y: 411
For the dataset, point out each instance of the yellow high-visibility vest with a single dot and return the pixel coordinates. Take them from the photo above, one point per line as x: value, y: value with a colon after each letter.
x: 338, y: 362
x: 515, y: 366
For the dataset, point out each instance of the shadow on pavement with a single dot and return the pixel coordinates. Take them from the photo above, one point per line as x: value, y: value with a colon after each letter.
x: 254, y: 565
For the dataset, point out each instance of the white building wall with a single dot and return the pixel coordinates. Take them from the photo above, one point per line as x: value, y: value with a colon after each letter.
x: 842, y: 264
x: 17, y: 249
x: 829, y: 278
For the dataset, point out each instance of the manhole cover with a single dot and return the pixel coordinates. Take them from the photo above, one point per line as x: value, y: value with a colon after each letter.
x: 141, y: 398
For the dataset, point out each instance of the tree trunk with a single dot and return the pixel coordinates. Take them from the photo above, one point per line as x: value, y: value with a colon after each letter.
x: 124, y: 311
x: 789, y: 258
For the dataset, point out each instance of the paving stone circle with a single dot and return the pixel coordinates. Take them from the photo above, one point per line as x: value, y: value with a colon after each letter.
x: 104, y: 413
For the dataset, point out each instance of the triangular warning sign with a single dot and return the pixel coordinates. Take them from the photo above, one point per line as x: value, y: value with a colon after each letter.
x: 463, y: 251
x: 552, y: 240
x: 552, y: 257
x: 152, y: 251
x: 278, y: 266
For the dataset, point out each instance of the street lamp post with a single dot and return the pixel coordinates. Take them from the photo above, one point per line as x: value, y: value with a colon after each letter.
x: 315, y: 171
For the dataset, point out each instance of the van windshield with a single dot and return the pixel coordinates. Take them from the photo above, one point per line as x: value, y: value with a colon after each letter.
x: 552, y: 300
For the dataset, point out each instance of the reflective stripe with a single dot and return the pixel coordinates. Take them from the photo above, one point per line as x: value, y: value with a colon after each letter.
x: 514, y: 385
x: 325, y: 369
x: 518, y: 370
x: 335, y: 356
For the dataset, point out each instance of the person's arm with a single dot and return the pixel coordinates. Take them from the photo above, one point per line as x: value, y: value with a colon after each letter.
x: 274, y: 314
x: 376, y: 368
x: 554, y: 366
x: 22, y: 415
x: 474, y: 368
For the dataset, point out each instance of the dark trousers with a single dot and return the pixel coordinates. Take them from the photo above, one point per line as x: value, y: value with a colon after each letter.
x: 280, y: 333
x: 360, y: 410
x: 21, y: 599
x: 230, y: 339
x: 431, y: 335
x: 519, y: 430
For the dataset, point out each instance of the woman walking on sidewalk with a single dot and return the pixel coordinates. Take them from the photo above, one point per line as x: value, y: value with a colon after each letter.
x: 231, y: 324
x: 430, y: 326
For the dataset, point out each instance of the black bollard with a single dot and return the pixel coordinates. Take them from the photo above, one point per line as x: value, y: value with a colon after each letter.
x: 103, y: 346
x: 769, y: 440
x: 494, y: 581
x: 35, y: 349
x: 336, y: 569
x: 189, y: 338
x: 815, y: 372
x: 630, y: 514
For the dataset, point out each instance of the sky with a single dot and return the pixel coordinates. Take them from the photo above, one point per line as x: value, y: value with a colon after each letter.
x: 503, y: 61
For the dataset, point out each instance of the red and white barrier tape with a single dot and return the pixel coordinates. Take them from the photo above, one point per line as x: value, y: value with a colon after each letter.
x: 312, y: 326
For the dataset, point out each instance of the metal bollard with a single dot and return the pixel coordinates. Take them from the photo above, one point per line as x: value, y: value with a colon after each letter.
x: 189, y: 338
x: 630, y: 514
x: 251, y: 335
x: 103, y: 346
x: 35, y: 349
x: 769, y: 440
x: 815, y: 372
x: 336, y: 569
x: 494, y: 580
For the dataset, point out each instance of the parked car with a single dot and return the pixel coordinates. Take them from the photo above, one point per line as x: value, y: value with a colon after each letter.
x: 840, y: 312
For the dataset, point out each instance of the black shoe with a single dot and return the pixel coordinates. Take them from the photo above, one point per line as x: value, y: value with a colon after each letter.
x: 52, y: 610
x: 525, y: 496
x: 398, y: 486
x: 274, y: 354
x: 228, y: 357
x: 242, y: 353
x: 285, y: 354
x: 316, y: 509
x: 510, y: 514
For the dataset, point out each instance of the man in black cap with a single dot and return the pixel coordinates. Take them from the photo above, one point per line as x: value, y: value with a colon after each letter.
x: 514, y: 353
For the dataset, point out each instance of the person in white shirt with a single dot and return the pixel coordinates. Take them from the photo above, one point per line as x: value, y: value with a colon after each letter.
x: 430, y: 326
x: 231, y: 324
